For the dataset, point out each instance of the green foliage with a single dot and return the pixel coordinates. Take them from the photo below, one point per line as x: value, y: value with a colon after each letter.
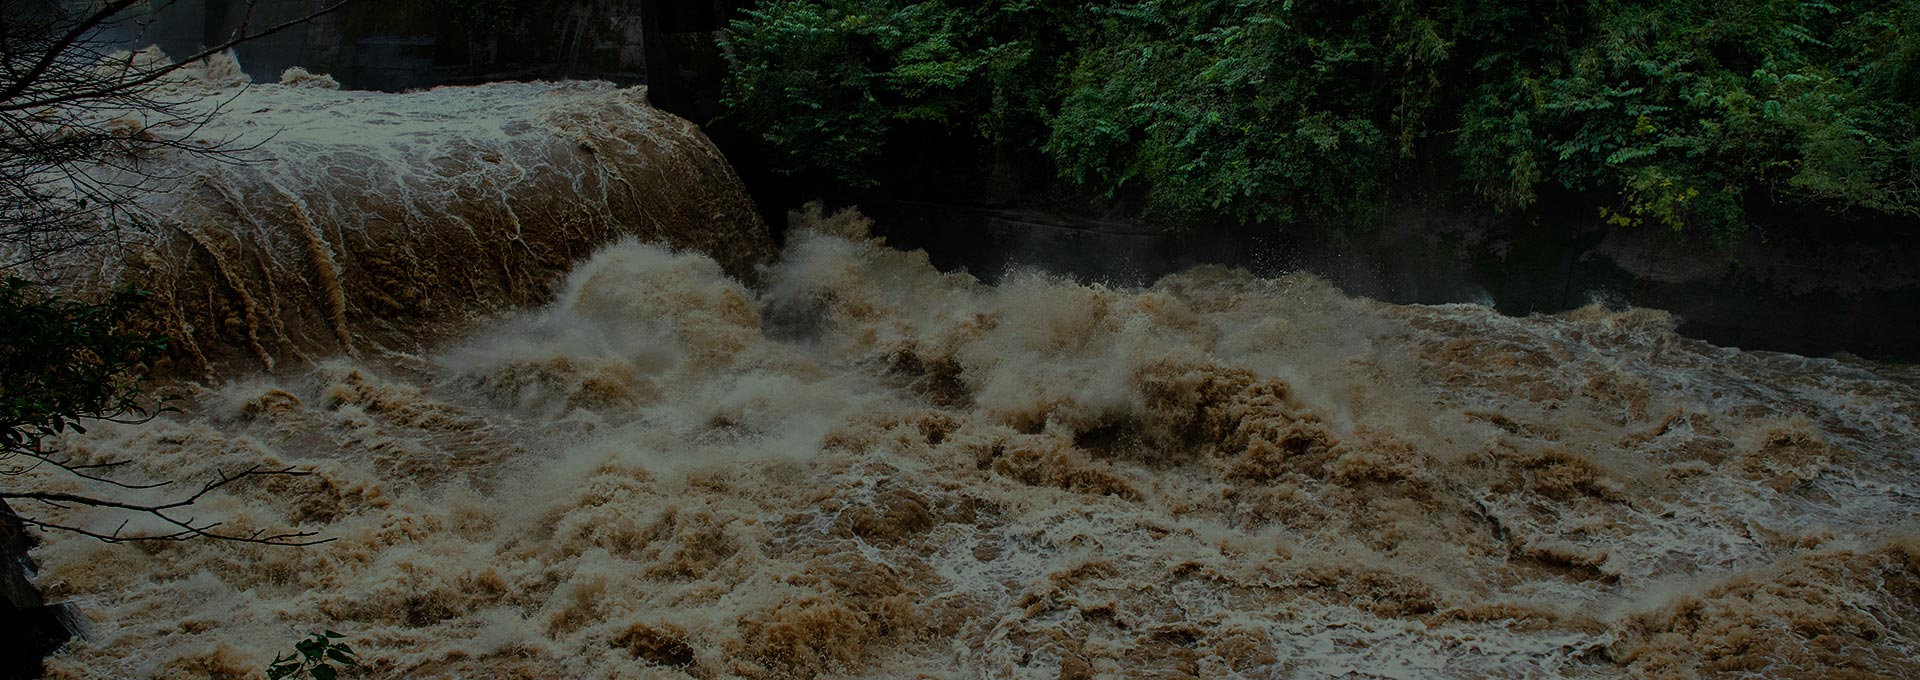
x: 1685, y: 111
x: 1675, y: 113
x: 825, y: 82
x: 64, y: 361
x: 320, y: 656
x: 1257, y: 111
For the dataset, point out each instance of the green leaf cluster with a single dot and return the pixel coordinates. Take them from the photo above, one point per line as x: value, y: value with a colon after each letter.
x: 63, y: 361
x: 1255, y: 111
x: 320, y: 656
x: 1675, y: 112
x: 826, y: 82
x: 1686, y: 114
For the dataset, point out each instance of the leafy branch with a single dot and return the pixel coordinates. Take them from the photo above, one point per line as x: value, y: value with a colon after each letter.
x: 314, y: 657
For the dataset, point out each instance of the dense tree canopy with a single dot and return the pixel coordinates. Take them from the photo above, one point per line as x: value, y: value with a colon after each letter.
x: 1678, y: 113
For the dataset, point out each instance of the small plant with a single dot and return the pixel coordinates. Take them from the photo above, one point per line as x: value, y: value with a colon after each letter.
x: 314, y: 657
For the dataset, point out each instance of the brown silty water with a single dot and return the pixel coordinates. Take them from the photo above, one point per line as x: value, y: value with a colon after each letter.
x: 336, y: 222
x: 868, y: 468
x: 859, y: 466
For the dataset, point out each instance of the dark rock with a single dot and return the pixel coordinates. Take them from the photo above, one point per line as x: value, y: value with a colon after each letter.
x: 30, y: 629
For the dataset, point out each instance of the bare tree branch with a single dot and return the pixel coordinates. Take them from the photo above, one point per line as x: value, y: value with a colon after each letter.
x: 185, y: 528
x: 66, y: 42
x: 86, y: 130
x: 81, y: 124
x: 131, y: 79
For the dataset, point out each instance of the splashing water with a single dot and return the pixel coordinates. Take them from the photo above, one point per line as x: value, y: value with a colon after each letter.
x: 867, y: 468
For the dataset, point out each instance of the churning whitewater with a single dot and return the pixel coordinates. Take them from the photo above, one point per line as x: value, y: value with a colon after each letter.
x: 863, y: 467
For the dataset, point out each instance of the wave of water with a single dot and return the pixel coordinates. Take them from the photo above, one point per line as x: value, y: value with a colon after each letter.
x: 336, y: 222
x: 866, y: 468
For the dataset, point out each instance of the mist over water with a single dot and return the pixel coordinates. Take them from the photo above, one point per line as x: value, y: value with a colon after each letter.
x: 864, y: 467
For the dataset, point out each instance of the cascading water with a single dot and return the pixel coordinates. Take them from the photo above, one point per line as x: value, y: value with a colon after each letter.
x: 862, y: 467
x: 351, y: 221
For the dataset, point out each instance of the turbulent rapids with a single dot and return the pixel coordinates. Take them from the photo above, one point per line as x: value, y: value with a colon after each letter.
x: 859, y: 466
